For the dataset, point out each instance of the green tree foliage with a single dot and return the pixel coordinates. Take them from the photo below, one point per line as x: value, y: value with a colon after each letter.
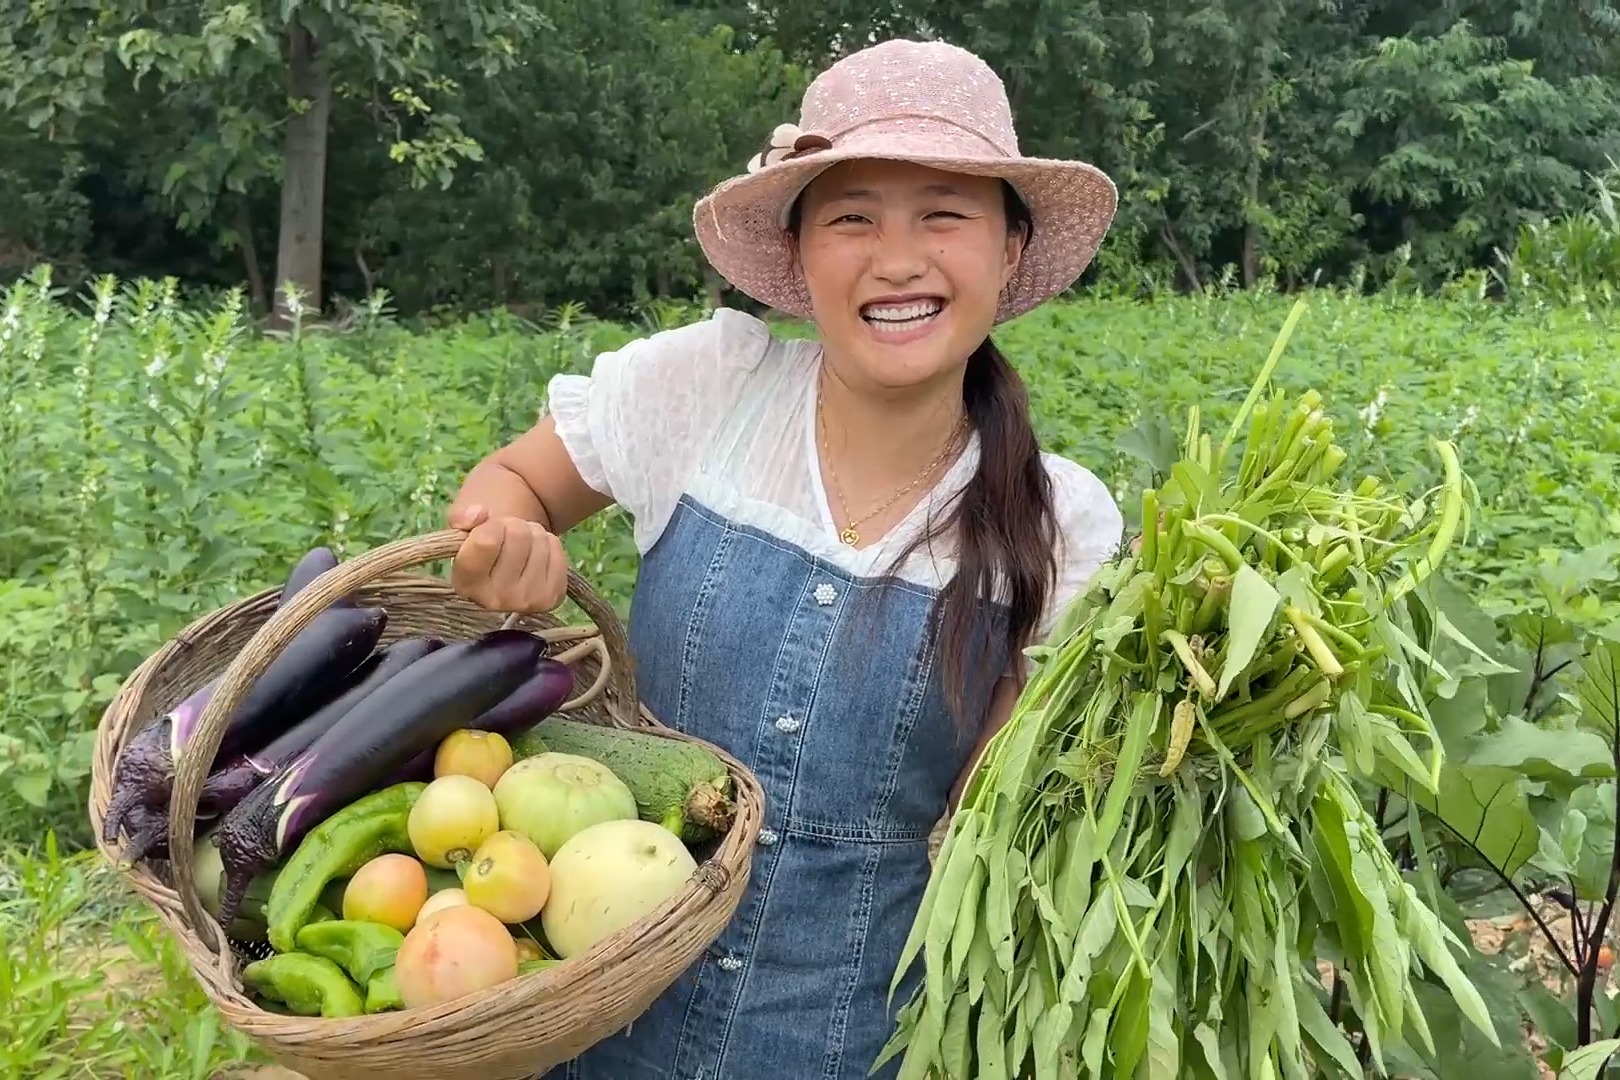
x: 464, y: 155
x: 199, y: 104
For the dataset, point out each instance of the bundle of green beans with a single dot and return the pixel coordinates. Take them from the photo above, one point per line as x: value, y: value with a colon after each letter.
x: 1157, y: 848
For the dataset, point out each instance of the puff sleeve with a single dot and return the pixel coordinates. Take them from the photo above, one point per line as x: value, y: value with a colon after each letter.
x: 637, y: 425
x: 1090, y: 531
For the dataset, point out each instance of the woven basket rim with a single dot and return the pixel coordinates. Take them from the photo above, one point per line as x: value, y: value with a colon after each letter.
x: 707, y: 900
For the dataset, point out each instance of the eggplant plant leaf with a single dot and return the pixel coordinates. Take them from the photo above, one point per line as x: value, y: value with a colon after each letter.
x: 1461, y: 1048
x: 1589, y: 1061
x: 1544, y: 754
x: 1599, y: 690
x: 1485, y: 807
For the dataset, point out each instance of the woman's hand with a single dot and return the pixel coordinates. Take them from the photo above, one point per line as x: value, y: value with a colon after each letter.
x: 507, y: 564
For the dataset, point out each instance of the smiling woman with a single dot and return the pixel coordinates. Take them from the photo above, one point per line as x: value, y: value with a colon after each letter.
x: 845, y: 542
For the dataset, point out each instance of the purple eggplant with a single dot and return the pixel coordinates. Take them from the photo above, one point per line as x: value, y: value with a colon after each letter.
x: 315, y: 562
x: 231, y: 782
x: 148, y: 830
x: 145, y: 768
x: 547, y: 688
x: 539, y: 697
x: 419, y: 768
x: 308, y: 673
x: 410, y: 713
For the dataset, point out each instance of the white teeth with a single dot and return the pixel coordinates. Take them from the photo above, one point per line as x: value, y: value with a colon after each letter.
x: 899, y: 313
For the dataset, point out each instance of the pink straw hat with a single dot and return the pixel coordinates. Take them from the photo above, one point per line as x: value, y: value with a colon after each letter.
x: 926, y: 102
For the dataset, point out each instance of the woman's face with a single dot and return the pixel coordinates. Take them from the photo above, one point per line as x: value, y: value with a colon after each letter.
x: 905, y: 266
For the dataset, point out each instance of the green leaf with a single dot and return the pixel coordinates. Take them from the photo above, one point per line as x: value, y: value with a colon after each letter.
x: 1486, y: 808
x: 32, y: 787
x: 1553, y: 1017
x: 1589, y: 1061
x: 1153, y: 442
x: 201, y: 1035
x: 1326, y: 1038
x: 1594, y: 804
x: 1600, y: 688
x: 1164, y: 1045
x: 1543, y: 753
x: 1249, y: 613
x: 1461, y: 715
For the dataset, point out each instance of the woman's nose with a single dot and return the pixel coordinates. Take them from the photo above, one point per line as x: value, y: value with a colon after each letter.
x: 898, y: 255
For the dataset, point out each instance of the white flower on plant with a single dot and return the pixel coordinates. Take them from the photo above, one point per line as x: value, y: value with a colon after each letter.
x: 157, y: 365
x: 1374, y: 409
x: 1470, y: 415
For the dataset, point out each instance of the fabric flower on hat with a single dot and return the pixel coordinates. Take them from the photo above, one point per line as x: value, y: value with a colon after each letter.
x: 787, y: 141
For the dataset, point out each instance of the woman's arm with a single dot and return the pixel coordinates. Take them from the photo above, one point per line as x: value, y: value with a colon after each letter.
x: 1001, y: 705
x: 532, y: 478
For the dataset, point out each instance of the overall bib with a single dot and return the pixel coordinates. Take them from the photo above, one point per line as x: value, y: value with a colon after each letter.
x: 752, y: 644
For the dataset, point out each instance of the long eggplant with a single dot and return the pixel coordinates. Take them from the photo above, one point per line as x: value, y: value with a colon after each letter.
x: 231, y: 782
x: 546, y: 689
x: 148, y: 830
x: 308, y: 673
x: 315, y: 562
x: 542, y: 694
x: 443, y: 691
x: 183, y: 718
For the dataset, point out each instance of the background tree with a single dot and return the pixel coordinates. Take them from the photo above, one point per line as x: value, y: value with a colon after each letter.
x: 1292, y: 140
x: 227, y: 98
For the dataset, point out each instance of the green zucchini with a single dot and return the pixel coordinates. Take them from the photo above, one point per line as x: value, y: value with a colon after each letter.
x: 677, y: 784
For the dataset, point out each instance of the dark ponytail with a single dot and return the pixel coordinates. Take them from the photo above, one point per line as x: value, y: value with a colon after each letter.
x: 1006, y: 536
x: 1005, y: 528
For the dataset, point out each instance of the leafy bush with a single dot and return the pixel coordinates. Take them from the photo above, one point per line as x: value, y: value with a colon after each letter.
x: 1573, y: 259
x: 159, y: 460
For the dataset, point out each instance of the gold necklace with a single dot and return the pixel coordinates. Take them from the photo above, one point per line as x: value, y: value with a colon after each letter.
x: 850, y: 534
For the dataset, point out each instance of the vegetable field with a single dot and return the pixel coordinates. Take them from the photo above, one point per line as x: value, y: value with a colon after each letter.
x: 158, y: 460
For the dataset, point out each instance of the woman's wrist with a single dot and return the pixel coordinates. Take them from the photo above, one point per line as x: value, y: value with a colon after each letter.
x: 501, y: 492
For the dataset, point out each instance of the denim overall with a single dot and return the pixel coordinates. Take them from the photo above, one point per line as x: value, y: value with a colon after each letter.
x: 824, y: 684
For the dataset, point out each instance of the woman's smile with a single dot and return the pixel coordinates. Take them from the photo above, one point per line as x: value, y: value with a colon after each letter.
x: 901, y: 320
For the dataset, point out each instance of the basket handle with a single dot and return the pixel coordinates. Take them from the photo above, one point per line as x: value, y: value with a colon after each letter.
x: 191, y: 767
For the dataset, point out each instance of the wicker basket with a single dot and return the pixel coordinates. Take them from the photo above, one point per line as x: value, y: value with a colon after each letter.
x: 519, y: 1029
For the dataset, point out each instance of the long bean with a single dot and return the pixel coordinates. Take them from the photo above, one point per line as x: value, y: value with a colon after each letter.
x: 1154, y: 849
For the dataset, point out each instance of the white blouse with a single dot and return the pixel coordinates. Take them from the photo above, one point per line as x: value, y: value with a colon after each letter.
x: 723, y: 412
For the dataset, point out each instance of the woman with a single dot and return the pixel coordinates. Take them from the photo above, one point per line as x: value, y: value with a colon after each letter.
x: 845, y: 543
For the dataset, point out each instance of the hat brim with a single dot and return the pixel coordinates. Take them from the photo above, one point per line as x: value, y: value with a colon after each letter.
x: 739, y: 224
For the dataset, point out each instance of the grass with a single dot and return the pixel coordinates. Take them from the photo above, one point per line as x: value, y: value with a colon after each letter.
x: 157, y: 462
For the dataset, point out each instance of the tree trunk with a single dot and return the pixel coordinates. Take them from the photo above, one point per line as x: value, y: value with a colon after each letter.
x: 1167, y: 233
x: 501, y: 277
x: 258, y: 296
x: 1251, y: 229
x: 303, y: 184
